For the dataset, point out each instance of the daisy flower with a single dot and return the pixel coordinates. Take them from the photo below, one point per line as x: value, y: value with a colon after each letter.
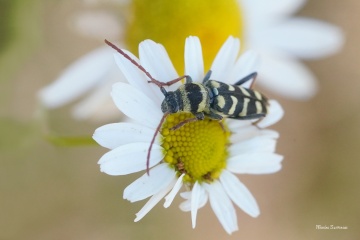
x: 201, y: 157
x: 265, y: 26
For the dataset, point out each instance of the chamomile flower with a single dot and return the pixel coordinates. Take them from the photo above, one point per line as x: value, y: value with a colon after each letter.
x: 265, y: 26
x: 201, y: 157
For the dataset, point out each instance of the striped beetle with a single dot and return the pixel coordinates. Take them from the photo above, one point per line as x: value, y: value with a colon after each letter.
x: 214, y: 99
x: 210, y: 98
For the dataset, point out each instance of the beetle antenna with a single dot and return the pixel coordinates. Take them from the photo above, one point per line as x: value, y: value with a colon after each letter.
x: 153, y: 80
x: 152, y: 143
x: 131, y: 60
x: 163, y: 90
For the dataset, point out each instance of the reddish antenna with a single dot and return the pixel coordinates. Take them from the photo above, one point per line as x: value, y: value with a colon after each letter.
x: 130, y: 59
x: 152, y: 142
x: 153, y: 80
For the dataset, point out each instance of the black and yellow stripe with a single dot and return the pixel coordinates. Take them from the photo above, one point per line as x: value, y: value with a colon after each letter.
x: 236, y: 102
x: 216, y: 100
x: 195, y: 97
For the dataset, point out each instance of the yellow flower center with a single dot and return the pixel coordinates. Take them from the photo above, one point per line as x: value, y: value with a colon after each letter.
x: 198, y: 149
x: 170, y: 22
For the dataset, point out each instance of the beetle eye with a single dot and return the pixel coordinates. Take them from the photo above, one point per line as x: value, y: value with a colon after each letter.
x: 174, y: 107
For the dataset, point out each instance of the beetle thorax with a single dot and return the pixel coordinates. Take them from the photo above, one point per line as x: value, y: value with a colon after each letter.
x: 172, y: 102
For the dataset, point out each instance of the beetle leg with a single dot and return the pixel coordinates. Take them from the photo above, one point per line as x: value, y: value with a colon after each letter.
x: 207, y: 76
x: 198, y: 116
x: 215, y: 116
x: 184, y: 122
x: 247, y: 78
x: 218, y: 117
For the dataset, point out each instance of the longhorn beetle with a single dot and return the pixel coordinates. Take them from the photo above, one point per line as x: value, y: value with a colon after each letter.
x: 210, y: 98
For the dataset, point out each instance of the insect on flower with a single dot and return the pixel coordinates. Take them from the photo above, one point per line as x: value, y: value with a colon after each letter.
x: 211, y: 98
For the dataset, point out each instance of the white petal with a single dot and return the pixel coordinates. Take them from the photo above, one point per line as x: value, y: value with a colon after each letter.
x: 255, y: 144
x: 186, y: 205
x: 244, y: 134
x: 255, y: 163
x: 78, y: 78
x: 96, y: 101
x: 235, y: 124
x: 259, y: 12
x: 269, y: 133
x: 306, y: 38
x: 136, y: 77
x: 136, y: 105
x: 170, y: 197
x: 116, y: 134
x: 129, y: 158
x: 287, y: 77
x: 245, y: 65
x: 156, y: 61
x: 241, y: 134
x: 153, y: 201
x: 225, y: 59
x: 283, y: 7
x: 104, y: 111
x: 239, y: 193
x: 97, y: 24
x: 147, y: 185
x: 222, y: 206
x: 275, y: 114
x: 196, y: 194
x: 194, y: 64
x: 186, y: 195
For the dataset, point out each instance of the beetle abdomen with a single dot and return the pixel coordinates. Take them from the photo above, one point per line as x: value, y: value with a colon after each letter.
x: 237, y: 102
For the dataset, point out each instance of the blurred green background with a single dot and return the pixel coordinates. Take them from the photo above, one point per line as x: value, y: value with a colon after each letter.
x: 54, y: 192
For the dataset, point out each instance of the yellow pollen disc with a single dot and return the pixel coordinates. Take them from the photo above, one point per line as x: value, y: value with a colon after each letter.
x: 198, y: 149
x: 170, y: 22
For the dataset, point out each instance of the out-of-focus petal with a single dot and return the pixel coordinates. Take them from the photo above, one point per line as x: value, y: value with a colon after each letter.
x: 287, y: 76
x: 98, y: 99
x: 259, y: 12
x: 305, y: 38
x: 78, y: 78
x: 97, y: 24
